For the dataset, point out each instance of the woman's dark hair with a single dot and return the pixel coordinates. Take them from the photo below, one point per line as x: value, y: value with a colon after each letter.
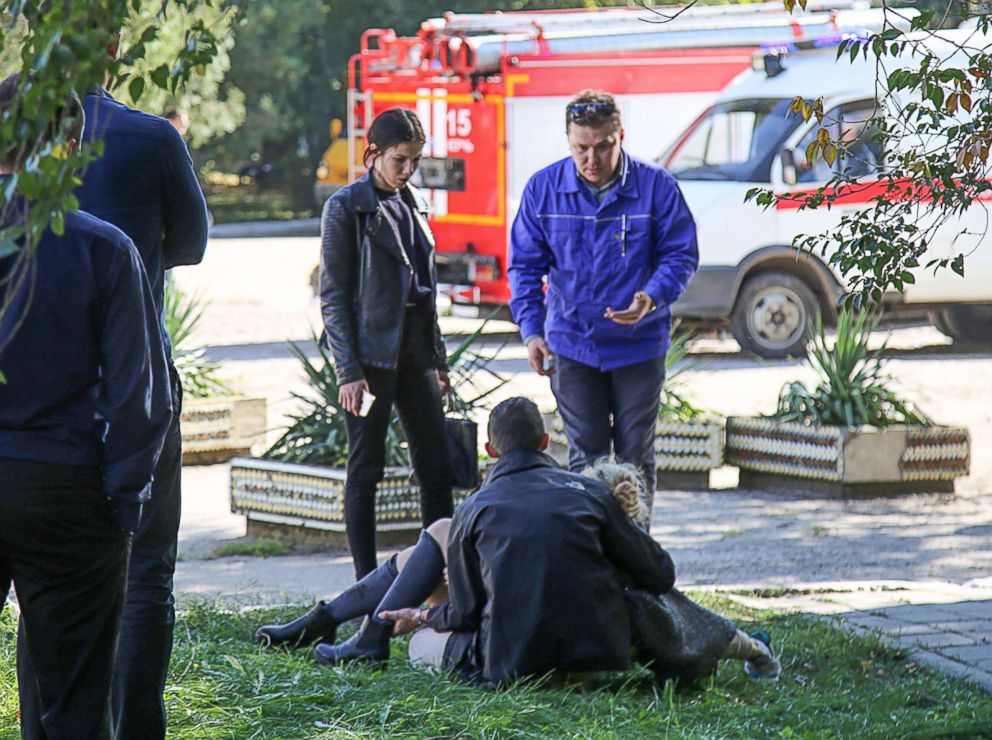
x: 392, y: 127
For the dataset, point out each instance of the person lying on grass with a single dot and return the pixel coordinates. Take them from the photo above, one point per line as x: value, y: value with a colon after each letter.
x: 551, y: 552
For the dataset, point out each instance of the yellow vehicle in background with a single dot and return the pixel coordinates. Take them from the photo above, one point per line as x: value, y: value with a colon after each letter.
x: 332, y: 172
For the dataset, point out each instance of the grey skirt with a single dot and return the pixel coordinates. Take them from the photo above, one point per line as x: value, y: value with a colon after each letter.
x: 676, y: 637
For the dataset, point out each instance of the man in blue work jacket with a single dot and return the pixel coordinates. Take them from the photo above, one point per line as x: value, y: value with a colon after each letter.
x: 607, y: 232
x: 83, y: 413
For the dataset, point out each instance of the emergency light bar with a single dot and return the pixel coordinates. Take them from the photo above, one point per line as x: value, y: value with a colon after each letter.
x: 771, y: 58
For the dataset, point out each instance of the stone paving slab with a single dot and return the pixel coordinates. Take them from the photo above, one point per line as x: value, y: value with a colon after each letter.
x: 945, y: 626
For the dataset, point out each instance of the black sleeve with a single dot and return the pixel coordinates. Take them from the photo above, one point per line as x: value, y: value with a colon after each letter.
x: 466, y: 592
x: 632, y: 550
x: 184, y: 211
x: 135, y: 398
x: 338, y: 282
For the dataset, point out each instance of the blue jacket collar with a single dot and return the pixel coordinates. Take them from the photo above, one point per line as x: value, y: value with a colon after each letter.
x: 519, y: 460
x: 627, y: 187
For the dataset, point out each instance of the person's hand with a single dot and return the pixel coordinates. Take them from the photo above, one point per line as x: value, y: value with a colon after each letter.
x: 350, y: 396
x: 537, y: 352
x: 444, y: 574
x: 638, y: 309
x: 405, y: 619
x: 443, y: 382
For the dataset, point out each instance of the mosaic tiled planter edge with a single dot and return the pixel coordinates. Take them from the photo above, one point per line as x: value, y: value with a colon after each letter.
x: 311, y: 497
x: 686, y: 452
x: 847, y: 461
x: 216, y: 429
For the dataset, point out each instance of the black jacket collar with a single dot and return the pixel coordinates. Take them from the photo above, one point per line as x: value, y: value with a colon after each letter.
x: 518, y: 460
x: 366, y: 201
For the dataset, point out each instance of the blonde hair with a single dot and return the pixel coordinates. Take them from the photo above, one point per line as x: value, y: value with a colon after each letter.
x: 626, y: 484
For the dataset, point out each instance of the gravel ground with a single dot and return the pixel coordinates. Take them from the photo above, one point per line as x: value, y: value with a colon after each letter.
x: 260, y: 296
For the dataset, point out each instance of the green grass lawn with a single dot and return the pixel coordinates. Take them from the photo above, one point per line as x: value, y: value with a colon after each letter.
x: 834, y: 685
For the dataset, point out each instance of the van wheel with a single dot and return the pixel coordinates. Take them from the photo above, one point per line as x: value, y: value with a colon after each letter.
x: 966, y: 322
x: 772, y: 312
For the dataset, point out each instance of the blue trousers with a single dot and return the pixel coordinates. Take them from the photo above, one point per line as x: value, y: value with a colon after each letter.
x: 614, y: 407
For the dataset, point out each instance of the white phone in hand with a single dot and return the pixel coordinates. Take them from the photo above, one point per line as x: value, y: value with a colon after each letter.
x: 367, y: 400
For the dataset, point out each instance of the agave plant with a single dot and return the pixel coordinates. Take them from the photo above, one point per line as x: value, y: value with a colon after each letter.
x: 852, y: 390
x: 317, y: 435
x: 675, y: 406
x: 199, y: 376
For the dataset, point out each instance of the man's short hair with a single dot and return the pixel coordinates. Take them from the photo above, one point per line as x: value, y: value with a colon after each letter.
x: 69, y: 120
x: 595, y: 109
x: 515, y: 424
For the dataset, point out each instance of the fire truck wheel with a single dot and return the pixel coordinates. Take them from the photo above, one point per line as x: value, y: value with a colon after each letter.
x: 771, y: 315
x: 966, y: 323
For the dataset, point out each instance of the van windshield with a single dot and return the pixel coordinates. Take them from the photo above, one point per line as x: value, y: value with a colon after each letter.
x: 733, y: 141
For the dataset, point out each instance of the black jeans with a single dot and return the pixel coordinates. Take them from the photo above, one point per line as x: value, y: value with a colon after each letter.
x: 414, y: 390
x: 149, y: 606
x: 149, y: 615
x: 619, y: 406
x: 61, y: 545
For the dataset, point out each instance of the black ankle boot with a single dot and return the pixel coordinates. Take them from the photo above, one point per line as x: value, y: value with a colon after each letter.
x: 317, y: 625
x: 320, y: 624
x: 369, y: 645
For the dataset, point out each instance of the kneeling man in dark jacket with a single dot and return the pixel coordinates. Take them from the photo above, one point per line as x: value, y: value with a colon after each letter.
x: 537, y: 564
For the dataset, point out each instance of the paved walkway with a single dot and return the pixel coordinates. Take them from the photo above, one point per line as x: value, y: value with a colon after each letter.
x: 945, y: 626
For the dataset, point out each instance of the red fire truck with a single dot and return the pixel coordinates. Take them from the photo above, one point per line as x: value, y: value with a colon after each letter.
x: 491, y: 90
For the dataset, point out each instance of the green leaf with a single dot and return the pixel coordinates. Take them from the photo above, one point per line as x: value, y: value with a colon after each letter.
x: 957, y: 264
x: 136, y: 88
x: 160, y: 76
x: 8, y: 247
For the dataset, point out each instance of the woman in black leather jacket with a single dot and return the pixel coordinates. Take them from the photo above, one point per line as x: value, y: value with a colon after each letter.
x: 377, y: 290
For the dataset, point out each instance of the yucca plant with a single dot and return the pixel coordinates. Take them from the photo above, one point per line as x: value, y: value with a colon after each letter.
x: 317, y: 435
x: 199, y: 376
x: 852, y: 390
x: 675, y: 406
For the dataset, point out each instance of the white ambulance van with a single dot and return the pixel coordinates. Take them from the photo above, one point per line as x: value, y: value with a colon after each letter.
x: 750, y: 272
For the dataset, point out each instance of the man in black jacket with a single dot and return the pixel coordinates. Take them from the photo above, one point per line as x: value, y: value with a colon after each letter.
x: 537, y: 564
x: 83, y: 414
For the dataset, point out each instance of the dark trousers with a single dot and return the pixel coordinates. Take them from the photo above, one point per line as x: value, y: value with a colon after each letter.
x: 149, y: 606
x: 66, y: 554
x: 412, y: 387
x: 149, y: 616
x: 615, y: 406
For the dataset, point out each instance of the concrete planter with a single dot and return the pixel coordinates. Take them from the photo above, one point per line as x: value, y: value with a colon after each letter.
x: 686, y: 452
x: 846, y: 461
x: 217, y: 429
x: 306, y: 502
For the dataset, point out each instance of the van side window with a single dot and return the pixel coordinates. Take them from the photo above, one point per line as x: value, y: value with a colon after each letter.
x: 858, y: 156
x: 733, y: 141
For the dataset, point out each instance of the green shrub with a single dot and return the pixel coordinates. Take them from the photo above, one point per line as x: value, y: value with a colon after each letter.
x: 317, y: 435
x: 852, y: 390
x: 675, y: 406
x: 200, y: 377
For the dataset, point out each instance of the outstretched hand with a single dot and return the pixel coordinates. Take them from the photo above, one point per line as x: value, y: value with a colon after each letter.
x: 405, y: 619
x: 638, y: 309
